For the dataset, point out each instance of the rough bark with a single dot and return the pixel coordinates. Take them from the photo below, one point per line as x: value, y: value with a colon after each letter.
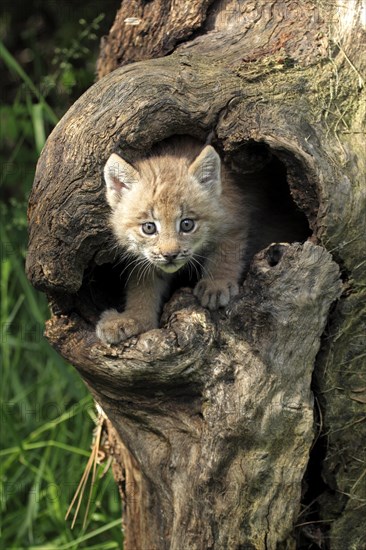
x: 143, y: 30
x: 213, y: 414
x: 217, y: 412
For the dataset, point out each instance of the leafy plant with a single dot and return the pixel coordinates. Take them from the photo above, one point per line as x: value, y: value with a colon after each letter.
x: 47, y: 416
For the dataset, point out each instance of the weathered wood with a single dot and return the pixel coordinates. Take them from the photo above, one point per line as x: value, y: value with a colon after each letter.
x: 215, y: 412
x: 143, y: 30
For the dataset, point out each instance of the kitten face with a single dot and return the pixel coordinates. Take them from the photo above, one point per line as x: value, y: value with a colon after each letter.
x: 165, y: 210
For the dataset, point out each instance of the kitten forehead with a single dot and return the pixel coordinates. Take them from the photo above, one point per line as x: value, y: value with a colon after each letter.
x: 167, y: 212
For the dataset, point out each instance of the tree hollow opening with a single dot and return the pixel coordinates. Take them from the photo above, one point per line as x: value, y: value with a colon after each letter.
x: 275, y: 218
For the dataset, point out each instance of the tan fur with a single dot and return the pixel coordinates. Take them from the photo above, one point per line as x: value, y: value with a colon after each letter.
x: 182, y: 181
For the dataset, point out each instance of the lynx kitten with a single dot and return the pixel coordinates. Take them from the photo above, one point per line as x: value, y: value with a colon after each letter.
x: 178, y: 207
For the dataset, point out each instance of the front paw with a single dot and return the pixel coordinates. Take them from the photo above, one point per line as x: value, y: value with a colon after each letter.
x: 114, y: 327
x: 215, y: 293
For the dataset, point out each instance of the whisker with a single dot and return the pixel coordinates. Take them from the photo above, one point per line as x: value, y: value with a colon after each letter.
x: 205, y: 271
x: 144, y: 270
x: 191, y: 265
x: 139, y: 262
x: 133, y: 261
x: 190, y: 271
x: 148, y: 269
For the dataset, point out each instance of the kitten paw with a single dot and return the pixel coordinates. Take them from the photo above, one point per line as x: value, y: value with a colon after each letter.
x: 215, y: 293
x: 114, y: 327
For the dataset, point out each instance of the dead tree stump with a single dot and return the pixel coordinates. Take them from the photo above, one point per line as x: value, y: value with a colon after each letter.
x: 212, y: 415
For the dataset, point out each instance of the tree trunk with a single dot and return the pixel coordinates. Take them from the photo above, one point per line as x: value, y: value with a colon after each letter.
x: 211, y: 416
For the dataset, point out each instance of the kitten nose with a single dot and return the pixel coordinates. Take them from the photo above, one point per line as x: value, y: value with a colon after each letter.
x: 170, y: 256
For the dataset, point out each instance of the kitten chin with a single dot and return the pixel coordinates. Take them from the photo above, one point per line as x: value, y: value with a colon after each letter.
x: 170, y: 268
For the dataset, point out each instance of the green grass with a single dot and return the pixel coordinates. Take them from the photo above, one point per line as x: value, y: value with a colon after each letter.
x: 47, y: 419
x: 47, y: 416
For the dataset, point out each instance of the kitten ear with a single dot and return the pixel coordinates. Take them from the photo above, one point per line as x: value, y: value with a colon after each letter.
x: 206, y: 169
x: 118, y: 175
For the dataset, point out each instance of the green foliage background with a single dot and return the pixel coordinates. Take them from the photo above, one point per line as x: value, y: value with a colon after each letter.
x: 48, y: 52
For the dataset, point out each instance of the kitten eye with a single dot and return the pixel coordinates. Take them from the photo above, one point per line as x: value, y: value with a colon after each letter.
x: 187, y: 225
x: 149, y: 228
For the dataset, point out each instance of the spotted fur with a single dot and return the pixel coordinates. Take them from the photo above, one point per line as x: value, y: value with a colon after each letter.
x: 164, y: 193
